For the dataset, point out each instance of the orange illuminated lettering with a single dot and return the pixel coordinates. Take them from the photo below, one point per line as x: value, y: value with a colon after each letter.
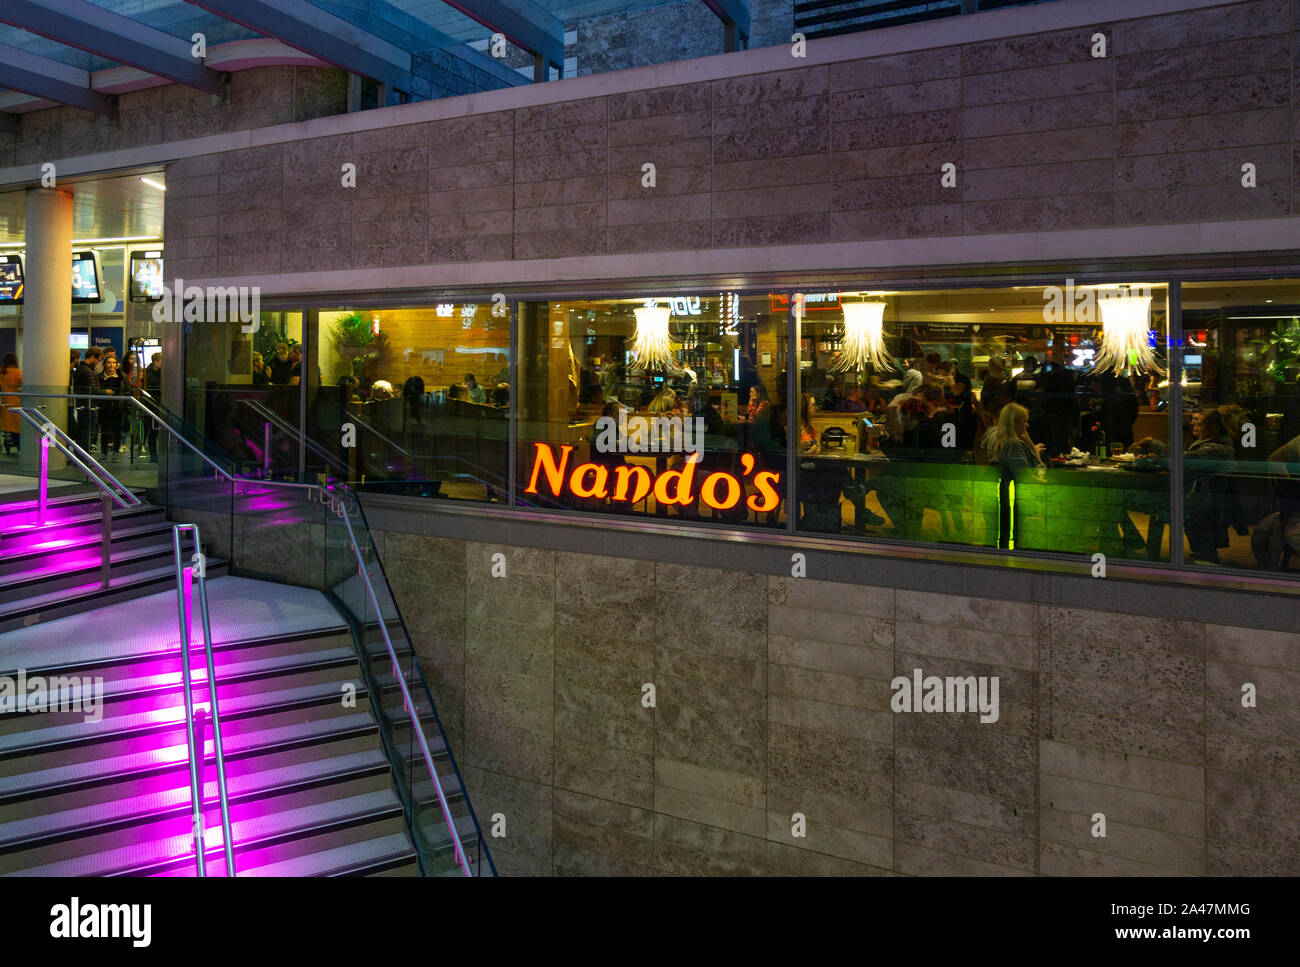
x: 544, y: 461
x: 709, y: 492
x: 625, y: 472
x: 598, y: 487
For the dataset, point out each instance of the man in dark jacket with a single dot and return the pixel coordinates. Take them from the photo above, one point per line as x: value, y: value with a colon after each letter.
x: 85, y: 381
x: 153, y: 386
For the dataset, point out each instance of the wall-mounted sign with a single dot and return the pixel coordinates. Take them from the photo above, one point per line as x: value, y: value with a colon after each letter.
x: 630, y: 484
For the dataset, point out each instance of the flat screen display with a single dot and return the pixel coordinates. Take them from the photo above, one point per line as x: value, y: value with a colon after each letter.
x: 146, y: 276
x: 79, y: 340
x: 85, y: 278
x: 11, y: 279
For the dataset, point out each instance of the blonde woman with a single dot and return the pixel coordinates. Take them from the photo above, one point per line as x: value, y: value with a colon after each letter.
x: 1008, y: 443
x: 1010, y: 448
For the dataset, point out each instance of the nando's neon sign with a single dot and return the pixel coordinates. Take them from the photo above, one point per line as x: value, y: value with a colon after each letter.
x: 630, y: 483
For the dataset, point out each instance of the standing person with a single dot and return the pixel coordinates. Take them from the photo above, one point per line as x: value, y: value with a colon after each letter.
x: 111, y: 383
x: 1011, y: 449
x: 152, y: 382
x: 85, y: 382
x: 280, y: 368
x: 11, y: 381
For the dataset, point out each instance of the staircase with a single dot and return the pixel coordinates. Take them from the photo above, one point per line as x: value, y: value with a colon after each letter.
x: 325, y: 777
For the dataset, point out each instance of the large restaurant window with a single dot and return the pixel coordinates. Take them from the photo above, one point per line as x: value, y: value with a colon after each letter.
x: 670, y: 407
x: 1023, y: 418
x: 415, y: 400
x: 1241, y: 454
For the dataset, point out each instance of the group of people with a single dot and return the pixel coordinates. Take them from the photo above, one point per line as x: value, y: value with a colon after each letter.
x: 283, y: 369
x: 97, y: 372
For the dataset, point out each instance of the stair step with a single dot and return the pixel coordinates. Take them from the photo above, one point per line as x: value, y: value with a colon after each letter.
x: 76, y: 600
x: 81, y: 732
x: 169, y: 842
x: 21, y: 529
x: 175, y: 798
x: 160, y: 760
x: 233, y: 668
x: 54, y: 575
x: 349, y: 860
x: 58, y: 548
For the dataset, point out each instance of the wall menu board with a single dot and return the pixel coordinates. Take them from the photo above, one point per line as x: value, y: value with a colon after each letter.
x: 11, y: 280
x: 146, y: 276
x: 85, y: 278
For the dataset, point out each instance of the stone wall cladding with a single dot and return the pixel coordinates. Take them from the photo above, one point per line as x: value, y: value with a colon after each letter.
x: 1043, y: 137
x: 772, y: 697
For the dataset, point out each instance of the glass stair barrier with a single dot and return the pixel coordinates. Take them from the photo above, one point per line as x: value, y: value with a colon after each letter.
x: 188, y: 576
x: 291, y: 532
x: 113, y: 491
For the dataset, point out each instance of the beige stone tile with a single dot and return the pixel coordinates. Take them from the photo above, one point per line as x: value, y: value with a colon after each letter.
x: 783, y: 860
x: 969, y: 809
x: 1142, y: 773
x: 1121, y: 805
x: 920, y: 861
x: 1151, y: 847
x: 1009, y: 617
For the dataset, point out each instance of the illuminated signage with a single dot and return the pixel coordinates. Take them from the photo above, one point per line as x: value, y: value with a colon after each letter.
x: 812, y: 301
x: 630, y: 484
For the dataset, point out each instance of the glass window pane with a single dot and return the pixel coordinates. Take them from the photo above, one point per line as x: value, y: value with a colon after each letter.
x: 669, y: 407
x: 1241, y: 458
x: 414, y: 400
x: 1025, y: 418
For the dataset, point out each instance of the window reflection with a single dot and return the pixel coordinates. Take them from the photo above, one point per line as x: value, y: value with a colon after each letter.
x: 669, y: 407
x: 1241, y: 462
x: 1027, y: 418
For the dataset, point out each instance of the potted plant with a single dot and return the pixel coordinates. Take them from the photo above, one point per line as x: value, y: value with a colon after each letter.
x: 357, y: 345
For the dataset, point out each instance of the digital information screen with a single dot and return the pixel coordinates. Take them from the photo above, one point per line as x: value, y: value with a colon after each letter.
x: 85, y: 278
x: 146, y: 276
x: 11, y: 279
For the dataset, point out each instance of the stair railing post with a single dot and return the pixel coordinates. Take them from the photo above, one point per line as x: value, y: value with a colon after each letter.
x: 106, y: 539
x: 43, y: 496
x: 266, y: 448
x: 184, y: 605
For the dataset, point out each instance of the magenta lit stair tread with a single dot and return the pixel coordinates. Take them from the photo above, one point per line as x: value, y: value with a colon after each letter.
x: 241, y: 610
x: 176, y: 756
x: 176, y: 796
x: 173, y: 716
x: 337, y: 860
x: 247, y: 831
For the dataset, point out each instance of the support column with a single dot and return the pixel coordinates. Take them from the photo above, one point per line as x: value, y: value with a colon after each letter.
x: 47, y: 313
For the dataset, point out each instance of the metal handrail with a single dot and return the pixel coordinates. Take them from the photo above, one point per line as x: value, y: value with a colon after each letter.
x: 183, y: 574
x: 408, y: 703
x: 324, y: 494
x: 100, y: 475
x: 163, y: 424
x: 284, y: 426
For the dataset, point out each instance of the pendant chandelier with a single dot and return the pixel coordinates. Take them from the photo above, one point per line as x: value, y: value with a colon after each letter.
x: 863, y: 346
x: 1125, y: 322
x: 651, y: 343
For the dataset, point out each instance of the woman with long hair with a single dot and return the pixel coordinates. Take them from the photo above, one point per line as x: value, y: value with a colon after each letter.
x: 11, y: 381
x: 1011, y: 449
x: 808, y: 440
x: 1008, y: 443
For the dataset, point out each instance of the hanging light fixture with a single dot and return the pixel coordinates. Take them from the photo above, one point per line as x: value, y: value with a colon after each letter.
x: 863, y: 346
x: 1125, y: 322
x: 651, y: 343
